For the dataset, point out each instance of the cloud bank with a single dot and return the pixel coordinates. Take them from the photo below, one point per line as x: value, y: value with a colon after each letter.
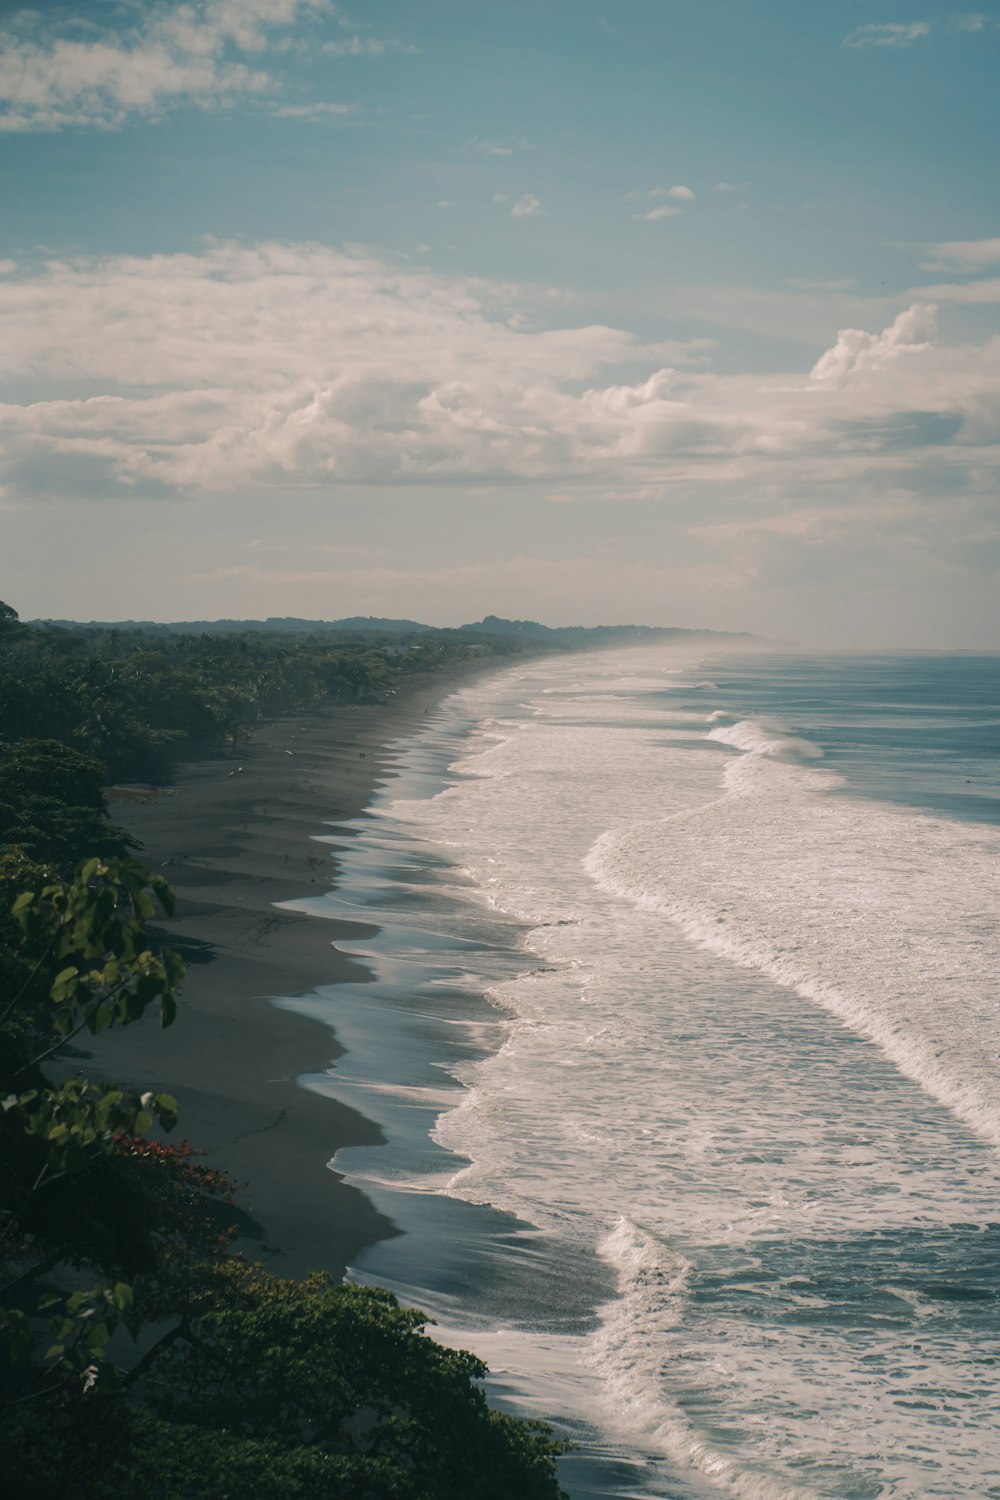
x: 299, y: 365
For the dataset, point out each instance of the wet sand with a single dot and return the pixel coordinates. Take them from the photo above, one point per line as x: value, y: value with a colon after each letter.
x: 232, y: 842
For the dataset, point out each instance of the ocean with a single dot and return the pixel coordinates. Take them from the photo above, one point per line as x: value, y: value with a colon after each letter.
x: 683, y: 1030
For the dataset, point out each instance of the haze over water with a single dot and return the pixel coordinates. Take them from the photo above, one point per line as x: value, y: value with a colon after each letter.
x: 744, y: 1075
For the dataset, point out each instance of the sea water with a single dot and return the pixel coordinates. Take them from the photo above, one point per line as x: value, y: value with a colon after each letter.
x: 713, y: 1178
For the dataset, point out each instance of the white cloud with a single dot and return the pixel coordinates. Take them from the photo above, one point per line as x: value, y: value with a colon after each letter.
x: 855, y: 350
x: 961, y: 255
x: 203, y: 54
x: 662, y: 210
x: 526, y: 207
x: 447, y: 203
x: 296, y: 366
x: 973, y: 21
x: 724, y: 187
x: 887, y: 34
x: 654, y: 215
x: 246, y: 371
x: 677, y: 191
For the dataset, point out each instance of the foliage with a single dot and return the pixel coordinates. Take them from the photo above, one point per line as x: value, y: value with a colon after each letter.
x: 131, y: 699
x: 299, y: 1389
x: 107, y: 1237
x: 79, y: 961
x: 52, y: 807
x: 138, y: 1355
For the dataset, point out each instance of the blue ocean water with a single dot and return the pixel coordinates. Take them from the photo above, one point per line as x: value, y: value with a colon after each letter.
x: 922, y: 730
x: 713, y: 1178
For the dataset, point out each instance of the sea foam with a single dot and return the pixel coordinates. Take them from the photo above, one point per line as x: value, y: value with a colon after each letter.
x: 889, y: 918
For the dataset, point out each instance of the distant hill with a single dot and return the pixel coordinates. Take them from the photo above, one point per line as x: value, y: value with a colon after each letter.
x: 594, y: 635
x: 360, y: 627
x: 273, y: 625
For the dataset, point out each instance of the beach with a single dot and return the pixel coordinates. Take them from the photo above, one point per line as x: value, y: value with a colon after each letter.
x: 745, y: 1094
x: 233, y: 833
x: 647, y: 1090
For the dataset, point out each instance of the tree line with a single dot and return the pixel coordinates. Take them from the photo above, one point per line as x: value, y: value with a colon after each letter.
x: 139, y: 1353
x: 136, y: 699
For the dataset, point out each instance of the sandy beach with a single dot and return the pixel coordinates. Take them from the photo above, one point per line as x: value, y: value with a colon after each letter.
x: 234, y: 835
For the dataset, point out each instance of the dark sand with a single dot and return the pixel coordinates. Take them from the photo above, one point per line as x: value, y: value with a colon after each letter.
x: 231, y: 846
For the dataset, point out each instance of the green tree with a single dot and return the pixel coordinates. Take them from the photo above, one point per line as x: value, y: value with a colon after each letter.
x: 241, y: 1381
x: 77, y: 960
x: 52, y: 805
x: 280, y: 1389
x: 10, y: 623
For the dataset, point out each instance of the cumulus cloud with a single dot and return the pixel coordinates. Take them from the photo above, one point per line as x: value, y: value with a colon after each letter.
x: 856, y: 350
x: 887, y: 34
x: 204, y: 54
x: 526, y: 207
x: 298, y: 365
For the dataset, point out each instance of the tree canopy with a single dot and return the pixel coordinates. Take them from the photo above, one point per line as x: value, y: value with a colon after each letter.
x: 139, y: 1354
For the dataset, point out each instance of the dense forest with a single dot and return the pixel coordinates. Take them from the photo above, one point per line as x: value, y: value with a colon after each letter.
x: 139, y: 1353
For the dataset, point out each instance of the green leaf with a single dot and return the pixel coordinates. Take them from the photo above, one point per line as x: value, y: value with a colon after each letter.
x: 166, y: 1110
x: 63, y: 984
x: 142, y: 905
x: 165, y: 895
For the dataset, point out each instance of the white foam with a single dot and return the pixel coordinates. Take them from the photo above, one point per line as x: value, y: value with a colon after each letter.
x: 890, y: 919
x: 638, y: 1333
x: 764, y: 737
x: 689, y: 1115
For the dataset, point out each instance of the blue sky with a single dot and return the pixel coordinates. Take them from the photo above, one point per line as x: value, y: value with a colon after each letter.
x: 682, y: 312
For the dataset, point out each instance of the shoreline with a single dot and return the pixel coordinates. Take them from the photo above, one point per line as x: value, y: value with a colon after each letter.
x: 233, y: 844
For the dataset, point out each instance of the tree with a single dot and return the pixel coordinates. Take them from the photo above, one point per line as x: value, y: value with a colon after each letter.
x: 77, y: 960
x: 52, y: 806
x: 10, y: 623
x: 279, y: 1389
x: 243, y: 1382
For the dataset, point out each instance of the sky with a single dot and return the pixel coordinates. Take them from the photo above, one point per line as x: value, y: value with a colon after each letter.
x: 674, y: 312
